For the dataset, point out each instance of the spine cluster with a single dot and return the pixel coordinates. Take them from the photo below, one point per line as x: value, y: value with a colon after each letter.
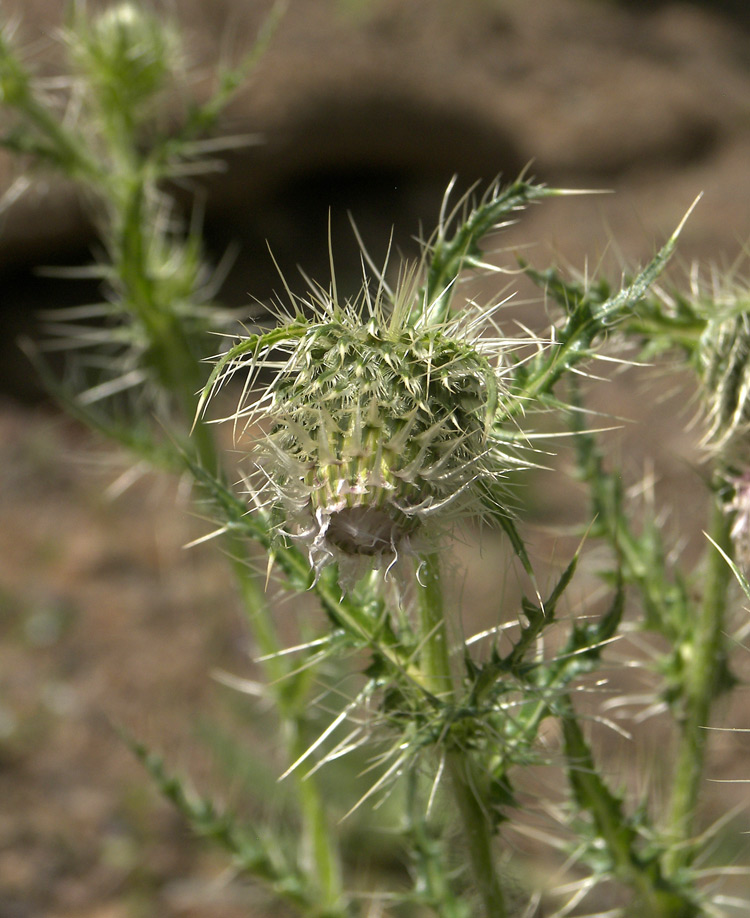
x: 376, y: 428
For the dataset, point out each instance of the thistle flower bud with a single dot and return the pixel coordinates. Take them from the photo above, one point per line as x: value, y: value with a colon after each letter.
x: 724, y: 369
x: 381, y: 429
x: 724, y: 362
x: 127, y: 53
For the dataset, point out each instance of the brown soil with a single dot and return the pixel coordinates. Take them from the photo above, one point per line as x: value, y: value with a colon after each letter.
x: 364, y: 106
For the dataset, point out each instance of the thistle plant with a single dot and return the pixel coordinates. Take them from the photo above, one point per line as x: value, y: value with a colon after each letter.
x: 374, y: 427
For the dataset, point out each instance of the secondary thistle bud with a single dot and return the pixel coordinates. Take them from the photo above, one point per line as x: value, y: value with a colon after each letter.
x: 127, y: 52
x: 724, y: 369
x: 739, y: 506
x: 724, y: 364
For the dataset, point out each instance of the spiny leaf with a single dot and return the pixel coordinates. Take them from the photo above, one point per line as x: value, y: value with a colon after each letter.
x: 540, y: 616
x: 587, y: 317
x: 252, y: 853
x: 448, y: 255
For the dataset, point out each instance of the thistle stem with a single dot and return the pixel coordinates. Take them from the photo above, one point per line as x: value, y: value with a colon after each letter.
x: 705, y: 659
x: 320, y: 855
x: 655, y: 895
x: 321, y: 859
x: 434, y: 658
x: 426, y: 853
x: 477, y: 832
x: 464, y: 776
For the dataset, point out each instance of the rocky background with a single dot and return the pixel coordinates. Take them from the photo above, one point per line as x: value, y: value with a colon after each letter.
x: 361, y: 106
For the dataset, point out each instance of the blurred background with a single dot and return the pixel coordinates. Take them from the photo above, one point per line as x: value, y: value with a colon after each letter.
x: 361, y: 107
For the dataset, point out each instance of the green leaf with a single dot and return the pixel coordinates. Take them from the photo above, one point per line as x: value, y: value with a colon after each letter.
x: 255, y: 854
x: 540, y: 616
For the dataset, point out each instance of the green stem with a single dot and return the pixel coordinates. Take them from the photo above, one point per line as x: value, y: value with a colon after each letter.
x: 478, y: 832
x: 126, y: 182
x: 321, y: 860
x: 656, y: 897
x: 465, y: 779
x: 178, y: 370
x: 434, y: 655
x: 320, y: 853
x: 704, y: 658
x: 431, y: 875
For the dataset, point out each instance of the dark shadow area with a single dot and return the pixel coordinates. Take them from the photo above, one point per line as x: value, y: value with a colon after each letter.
x: 28, y: 291
x: 382, y: 165
x: 736, y: 10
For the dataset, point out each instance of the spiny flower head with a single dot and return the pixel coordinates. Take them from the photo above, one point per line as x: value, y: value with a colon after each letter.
x: 381, y: 427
